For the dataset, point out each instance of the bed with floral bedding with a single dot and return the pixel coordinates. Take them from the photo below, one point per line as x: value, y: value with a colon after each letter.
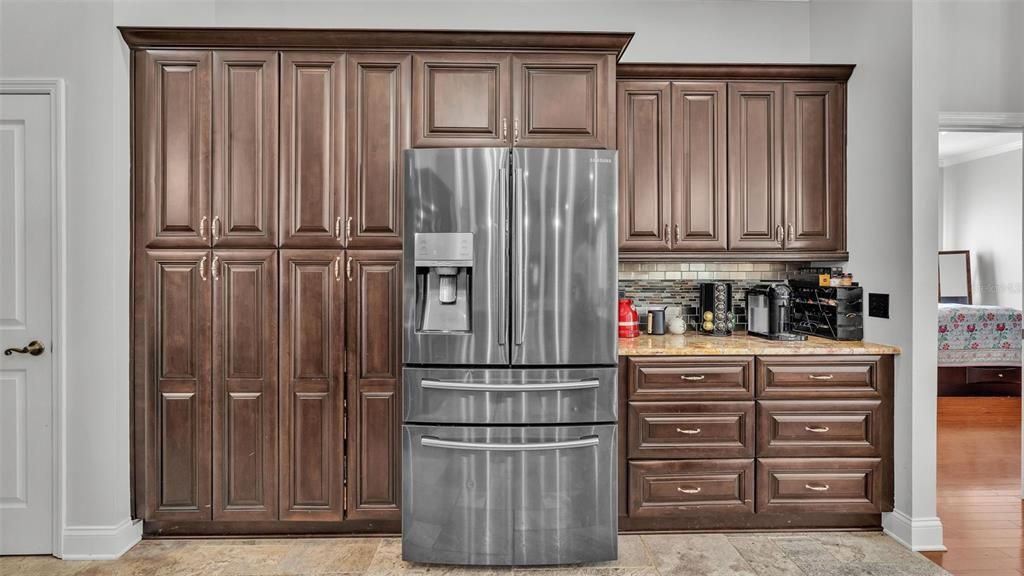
x: 971, y: 335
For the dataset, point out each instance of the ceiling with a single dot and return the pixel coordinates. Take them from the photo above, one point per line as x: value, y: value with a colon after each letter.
x: 957, y: 147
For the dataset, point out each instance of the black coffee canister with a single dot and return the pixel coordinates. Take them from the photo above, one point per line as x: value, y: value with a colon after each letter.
x: 656, y: 321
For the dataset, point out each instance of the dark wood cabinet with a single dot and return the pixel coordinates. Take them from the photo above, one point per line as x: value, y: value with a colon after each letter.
x: 815, y: 172
x: 173, y: 86
x: 378, y: 132
x: 699, y: 195
x: 673, y: 488
x: 245, y: 140
x: 691, y: 430
x: 312, y: 351
x: 374, y: 384
x: 819, y: 485
x: 177, y: 385
x: 756, y: 207
x: 644, y: 166
x: 245, y: 376
x: 312, y: 149
x: 563, y: 100
x: 461, y: 99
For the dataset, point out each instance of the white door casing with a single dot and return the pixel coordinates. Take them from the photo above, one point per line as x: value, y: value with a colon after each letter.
x: 26, y: 314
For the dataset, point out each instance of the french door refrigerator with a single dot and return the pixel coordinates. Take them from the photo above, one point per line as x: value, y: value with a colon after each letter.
x: 510, y: 353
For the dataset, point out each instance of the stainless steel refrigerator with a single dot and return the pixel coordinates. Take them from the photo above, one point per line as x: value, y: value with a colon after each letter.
x: 510, y: 353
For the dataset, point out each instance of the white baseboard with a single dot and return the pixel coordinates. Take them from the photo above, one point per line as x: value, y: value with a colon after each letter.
x: 918, y: 534
x: 100, y: 542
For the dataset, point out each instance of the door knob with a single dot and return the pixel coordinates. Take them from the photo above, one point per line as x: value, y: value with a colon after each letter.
x: 34, y: 348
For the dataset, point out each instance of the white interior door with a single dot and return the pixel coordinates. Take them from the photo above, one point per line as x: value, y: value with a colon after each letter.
x: 26, y: 446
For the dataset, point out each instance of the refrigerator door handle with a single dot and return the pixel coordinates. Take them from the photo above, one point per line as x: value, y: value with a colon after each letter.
x: 501, y: 284
x: 483, y: 387
x: 434, y: 442
x: 519, y: 326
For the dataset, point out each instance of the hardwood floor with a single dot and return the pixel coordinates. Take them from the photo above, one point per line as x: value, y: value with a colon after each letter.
x: 979, y: 491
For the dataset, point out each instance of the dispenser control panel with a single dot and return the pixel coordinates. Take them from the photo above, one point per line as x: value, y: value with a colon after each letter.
x: 444, y: 249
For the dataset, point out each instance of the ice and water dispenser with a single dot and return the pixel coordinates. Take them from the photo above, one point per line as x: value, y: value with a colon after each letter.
x: 444, y: 270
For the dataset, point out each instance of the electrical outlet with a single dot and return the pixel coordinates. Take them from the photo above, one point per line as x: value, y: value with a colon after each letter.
x: 878, y: 305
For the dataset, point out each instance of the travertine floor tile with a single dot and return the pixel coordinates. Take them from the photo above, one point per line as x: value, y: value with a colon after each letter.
x: 764, y: 556
x: 705, y: 554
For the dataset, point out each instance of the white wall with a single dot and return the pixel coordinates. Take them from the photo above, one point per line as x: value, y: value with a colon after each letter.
x: 981, y: 200
x: 78, y: 41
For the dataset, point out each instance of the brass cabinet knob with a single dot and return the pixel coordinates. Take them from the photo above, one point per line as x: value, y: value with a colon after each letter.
x: 35, y: 348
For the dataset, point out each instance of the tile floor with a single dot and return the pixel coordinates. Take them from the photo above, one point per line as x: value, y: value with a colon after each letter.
x: 818, y: 554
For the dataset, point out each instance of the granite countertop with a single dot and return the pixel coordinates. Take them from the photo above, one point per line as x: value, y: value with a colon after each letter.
x: 741, y: 344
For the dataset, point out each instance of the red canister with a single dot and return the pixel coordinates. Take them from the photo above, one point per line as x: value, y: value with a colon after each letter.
x: 629, y: 321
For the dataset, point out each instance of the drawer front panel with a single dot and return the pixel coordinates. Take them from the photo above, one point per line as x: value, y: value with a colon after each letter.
x: 691, y: 378
x: 822, y: 485
x: 827, y: 428
x: 672, y: 487
x: 812, y: 378
x: 691, y: 429
x: 1010, y: 374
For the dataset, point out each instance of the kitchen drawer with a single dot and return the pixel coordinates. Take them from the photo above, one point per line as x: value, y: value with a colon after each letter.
x: 683, y: 378
x: 826, y: 428
x: 1010, y: 374
x: 819, y: 485
x: 674, y: 487
x: 691, y: 429
x: 814, y: 377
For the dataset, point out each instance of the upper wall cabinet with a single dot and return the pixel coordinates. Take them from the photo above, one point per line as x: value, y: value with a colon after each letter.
x: 493, y: 99
x: 312, y: 149
x: 757, y: 158
x: 563, y: 101
x: 378, y: 132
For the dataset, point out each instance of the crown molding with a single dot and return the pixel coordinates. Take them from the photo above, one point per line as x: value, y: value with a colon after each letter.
x: 712, y: 71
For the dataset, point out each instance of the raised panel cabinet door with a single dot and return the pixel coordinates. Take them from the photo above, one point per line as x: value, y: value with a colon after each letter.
x: 460, y: 100
x: 312, y: 155
x: 644, y: 166
x: 699, y: 194
x: 755, y: 166
x: 174, y: 134
x: 245, y: 376
x: 815, y: 171
x: 374, y: 381
x: 245, y: 136
x: 312, y: 385
x: 378, y: 132
x: 563, y: 100
x: 177, y: 460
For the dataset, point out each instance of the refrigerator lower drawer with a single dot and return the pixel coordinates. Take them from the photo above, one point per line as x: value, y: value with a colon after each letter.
x: 509, y: 395
x: 510, y: 495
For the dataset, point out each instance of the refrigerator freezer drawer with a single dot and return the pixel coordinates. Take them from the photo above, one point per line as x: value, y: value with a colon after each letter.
x: 509, y: 495
x: 509, y: 396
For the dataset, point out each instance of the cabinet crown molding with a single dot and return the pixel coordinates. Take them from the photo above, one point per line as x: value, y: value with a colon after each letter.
x: 745, y: 72
x: 374, y: 39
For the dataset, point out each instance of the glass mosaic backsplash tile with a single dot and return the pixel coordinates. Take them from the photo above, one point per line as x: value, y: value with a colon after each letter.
x: 676, y: 285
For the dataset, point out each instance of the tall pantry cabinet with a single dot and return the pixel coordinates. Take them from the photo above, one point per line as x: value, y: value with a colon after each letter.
x: 267, y: 250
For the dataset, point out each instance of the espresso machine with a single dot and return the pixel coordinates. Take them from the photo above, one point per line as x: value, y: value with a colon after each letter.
x: 769, y: 312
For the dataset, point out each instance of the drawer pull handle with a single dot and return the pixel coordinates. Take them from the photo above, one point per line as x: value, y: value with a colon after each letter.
x: 689, y: 490
x: 688, y: 431
x: 814, y: 429
x: 821, y: 488
x: 693, y: 378
x: 821, y: 377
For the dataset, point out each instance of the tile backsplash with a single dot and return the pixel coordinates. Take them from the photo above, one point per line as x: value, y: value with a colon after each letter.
x: 676, y: 284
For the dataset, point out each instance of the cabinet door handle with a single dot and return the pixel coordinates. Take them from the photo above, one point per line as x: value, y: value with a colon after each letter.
x: 348, y: 269
x: 202, y: 268
x: 789, y: 228
x: 202, y: 228
x: 688, y: 431
x: 820, y: 429
x: 337, y: 268
x: 695, y: 490
x: 515, y: 131
x: 348, y: 230
x: 677, y: 234
x: 504, y: 129
x: 778, y: 235
x: 821, y: 376
x: 216, y: 228
x: 215, y: 268
x: 337, y: 227
x: 817, y: 487
x: 668, y: 239
x: 692, y: 378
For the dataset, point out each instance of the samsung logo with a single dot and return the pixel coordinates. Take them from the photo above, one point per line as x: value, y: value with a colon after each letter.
x: 600, y: 160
